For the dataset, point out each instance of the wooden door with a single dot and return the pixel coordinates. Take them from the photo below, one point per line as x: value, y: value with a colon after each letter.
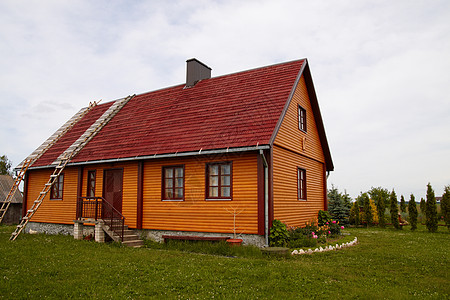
x: 112, y: 187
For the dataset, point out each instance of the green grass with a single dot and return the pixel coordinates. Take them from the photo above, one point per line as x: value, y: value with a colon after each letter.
x: 385, y: 264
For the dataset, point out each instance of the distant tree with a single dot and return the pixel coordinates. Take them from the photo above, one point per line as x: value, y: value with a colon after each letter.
x: 336, y: 206
x: 445, y: 206
x: 5, y: 165
x: 412, y: 211
x: 380, y: 196
x: 423, y: 208
x: 373, y: 208
x: 431, y: 209
x: 368, y: 213
x: 354, y: 214
x: 394, y: 210
x: 402, y: 204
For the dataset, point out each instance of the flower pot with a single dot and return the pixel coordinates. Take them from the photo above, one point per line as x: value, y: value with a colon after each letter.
x: 234, y: 242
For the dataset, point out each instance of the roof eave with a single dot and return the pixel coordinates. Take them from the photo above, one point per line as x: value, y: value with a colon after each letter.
x: 165, y: 155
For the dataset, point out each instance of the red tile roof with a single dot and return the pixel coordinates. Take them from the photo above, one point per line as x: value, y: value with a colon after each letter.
x: 236, y: 110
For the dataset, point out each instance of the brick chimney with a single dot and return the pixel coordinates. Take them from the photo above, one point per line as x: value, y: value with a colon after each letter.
x: 196, y: 71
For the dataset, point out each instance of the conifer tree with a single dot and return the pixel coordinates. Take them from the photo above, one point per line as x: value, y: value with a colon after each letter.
x: 402, y: 204
x: 445, y: 206
x: 394, y: 210
x: 412, y: 210
x: 423, y: 209
x: 347, y: 200
x: 431, y: 215
x: 336, y: 206
x: 368, y: 214
x: 354, y: 214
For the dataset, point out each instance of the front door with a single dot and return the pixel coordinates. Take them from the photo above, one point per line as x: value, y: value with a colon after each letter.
x: 112, y: 187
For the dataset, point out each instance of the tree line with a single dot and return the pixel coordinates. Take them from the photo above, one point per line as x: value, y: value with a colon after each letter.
x: 369, y: 208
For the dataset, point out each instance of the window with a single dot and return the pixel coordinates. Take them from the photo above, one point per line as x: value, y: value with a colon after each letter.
x: 218, y: 181
x: 173, y: 183
x: 301, y: 185
x: 56, y: 193
x: 91, y: 184
x: 301, y: 118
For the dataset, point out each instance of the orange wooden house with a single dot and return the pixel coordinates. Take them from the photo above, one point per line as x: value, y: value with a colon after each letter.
x: 181, y: 160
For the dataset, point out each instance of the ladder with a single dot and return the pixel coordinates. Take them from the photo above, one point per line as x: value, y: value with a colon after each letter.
x: 14, y: 188
x: 39, y: 152
x: 58, y: 170
x: 66, y: 156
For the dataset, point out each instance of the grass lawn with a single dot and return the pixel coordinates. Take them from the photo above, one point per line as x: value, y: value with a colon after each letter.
x: 385, y: 264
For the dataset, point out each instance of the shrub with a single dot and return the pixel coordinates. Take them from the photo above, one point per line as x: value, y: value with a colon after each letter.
x: 394, y: 210
x: 431, y: 210
x: 412, y: 210
x: 279, y: 235
x: 298, y: 240
x: 323, y: 217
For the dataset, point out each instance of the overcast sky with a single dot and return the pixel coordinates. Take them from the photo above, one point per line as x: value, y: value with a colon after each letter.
x: 381, y: 71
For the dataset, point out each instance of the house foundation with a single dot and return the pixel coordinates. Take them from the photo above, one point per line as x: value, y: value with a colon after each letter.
x: 79, y: 229
x: 156, y: 235
x: 66, y: 229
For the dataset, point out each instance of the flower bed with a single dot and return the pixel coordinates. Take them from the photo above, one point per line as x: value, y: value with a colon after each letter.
x: 311, y: 235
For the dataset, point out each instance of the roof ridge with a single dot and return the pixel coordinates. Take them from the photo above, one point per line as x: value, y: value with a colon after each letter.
x: 224, y: 75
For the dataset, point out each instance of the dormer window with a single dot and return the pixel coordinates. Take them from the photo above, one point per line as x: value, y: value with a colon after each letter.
x: 301, y: 118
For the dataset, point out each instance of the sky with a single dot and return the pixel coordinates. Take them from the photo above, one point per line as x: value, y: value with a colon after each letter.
x: 381, y: 71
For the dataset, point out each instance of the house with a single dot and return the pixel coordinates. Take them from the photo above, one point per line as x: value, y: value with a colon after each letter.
x: 14, y: 212
x: 204, y: 158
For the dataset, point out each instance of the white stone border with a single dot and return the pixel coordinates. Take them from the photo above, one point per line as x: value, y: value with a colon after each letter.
x: 329, y: 248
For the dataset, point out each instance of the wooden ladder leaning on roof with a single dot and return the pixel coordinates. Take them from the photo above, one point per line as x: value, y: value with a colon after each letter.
x: 66, y: 156
x: 15, y: 186
x: 37, y: 154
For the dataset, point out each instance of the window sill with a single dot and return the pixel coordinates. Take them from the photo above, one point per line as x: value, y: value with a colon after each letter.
x: 219, y: 199
x: 302, y: 200
x: 56, y: 199
x: 172, y: 200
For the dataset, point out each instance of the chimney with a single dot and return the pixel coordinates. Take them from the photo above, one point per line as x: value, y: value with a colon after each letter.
x: 196, y: 71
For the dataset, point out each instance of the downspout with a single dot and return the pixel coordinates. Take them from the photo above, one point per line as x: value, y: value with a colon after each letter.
x: 266, y: 198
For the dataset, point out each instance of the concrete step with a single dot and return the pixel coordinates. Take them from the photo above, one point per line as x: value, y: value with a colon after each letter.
x: 134, y: 243
x: 130, y: 237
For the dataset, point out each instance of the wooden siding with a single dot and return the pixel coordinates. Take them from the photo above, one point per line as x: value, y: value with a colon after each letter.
x: 287, y: 207
x: 64, y: 211
x: 289, y: 153
x: 195, y: 213
x: 129, y: 190
x: 290, y: 136
x: 53, y: 211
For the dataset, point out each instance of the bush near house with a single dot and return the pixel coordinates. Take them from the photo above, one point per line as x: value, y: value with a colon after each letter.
x: 310, y: 235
